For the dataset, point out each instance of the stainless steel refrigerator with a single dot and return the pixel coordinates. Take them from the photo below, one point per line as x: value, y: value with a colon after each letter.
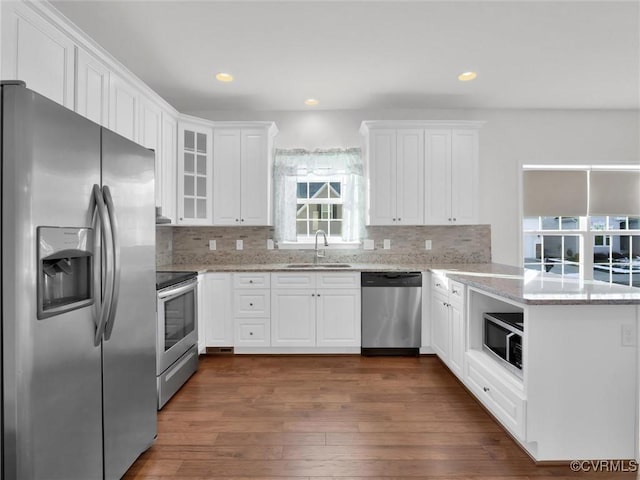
x: 78, y: 294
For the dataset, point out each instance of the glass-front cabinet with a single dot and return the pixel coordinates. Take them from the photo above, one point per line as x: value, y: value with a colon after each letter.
x: 195, y: 168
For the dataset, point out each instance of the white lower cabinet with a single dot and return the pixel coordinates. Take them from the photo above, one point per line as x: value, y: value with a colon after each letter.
x: 506, y: 400
x: 251, y: 310
x: 447, y: 322
x: 215, y: 318
x: 316, y: 311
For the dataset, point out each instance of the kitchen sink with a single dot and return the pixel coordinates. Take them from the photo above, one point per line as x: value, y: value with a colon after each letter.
x: 319, y: 265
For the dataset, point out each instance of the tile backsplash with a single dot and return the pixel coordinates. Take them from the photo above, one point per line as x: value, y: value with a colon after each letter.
x: 449, y: 244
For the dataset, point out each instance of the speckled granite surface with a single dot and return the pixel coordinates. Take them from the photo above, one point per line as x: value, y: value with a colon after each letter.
x: 523, y: 286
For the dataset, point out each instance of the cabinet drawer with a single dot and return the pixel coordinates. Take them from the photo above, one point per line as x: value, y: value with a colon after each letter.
x: 252, y: 303
x: 251, y: 280
x: 294, y: 279
x: 504, y: 401
x: 254, y: 332
x: 439, y: 283
x: 338, y: 280
x: 456, y: 292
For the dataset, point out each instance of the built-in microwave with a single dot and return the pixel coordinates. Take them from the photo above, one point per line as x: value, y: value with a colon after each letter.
x: 502, y: 334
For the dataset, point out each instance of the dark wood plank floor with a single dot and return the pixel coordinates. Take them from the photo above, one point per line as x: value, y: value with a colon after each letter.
x: 314, y: 417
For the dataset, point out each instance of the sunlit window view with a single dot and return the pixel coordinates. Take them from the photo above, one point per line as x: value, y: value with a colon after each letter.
x: 319, y: 207
x: 556, y: 244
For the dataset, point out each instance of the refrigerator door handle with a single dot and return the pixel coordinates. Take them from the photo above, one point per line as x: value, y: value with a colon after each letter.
x: 108, y: 200
x: 108, y: 254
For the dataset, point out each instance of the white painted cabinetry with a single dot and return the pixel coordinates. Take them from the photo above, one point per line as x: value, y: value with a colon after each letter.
x: 395, y: 169
x: 447, y: 322
x: 35, y: 51
x: 123, y: 110
x: 316, y: 311
x: 242, y: 164
x: 92, y: 87
x: 251, y: 310
x: 421, y: 172
x: 451, y: 176
x: 195, y: 170
x: 216, y: 316
x: 166, y: 178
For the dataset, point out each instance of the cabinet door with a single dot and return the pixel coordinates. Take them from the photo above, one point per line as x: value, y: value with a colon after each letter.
x: 437, y: 195
x: 167, y: 181
x: 255, y: 178
x: 226, y: 177
x: 381, y: 170
x: 218, y: 318
x: 36, y: 52
x: 194, y: 174
x: 123, y: 110
x: 464, y: 177
x: 456, y: 322
x: 92, y: 88
x: 410, y: 177
x: 293, y: 319
x: 149, y: 136
x: 338, y: 318
x: 440, y: 331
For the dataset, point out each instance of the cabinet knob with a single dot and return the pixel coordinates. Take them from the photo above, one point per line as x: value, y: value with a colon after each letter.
x: 454, y: 219
x: 251, y: 304
x: 393, y: 219
x: 237, y: 220
x: 250, y: 281
x: 449, y: 219
x: 318, y: 294
x: 455, y: 292
x: 399, y: 219
x: 242, y: 219
x: 313, y: 294
x: 438, y: 285
x: 250, y: 333
x: 486, y: 389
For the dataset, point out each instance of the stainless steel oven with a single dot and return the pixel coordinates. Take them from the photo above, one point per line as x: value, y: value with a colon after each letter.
x: 177, y: 333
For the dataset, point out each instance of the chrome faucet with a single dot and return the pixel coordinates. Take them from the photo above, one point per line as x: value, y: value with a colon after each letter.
x: 326, y: 244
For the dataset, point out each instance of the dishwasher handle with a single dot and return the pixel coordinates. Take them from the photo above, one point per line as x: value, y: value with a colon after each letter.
x: 391, y: 279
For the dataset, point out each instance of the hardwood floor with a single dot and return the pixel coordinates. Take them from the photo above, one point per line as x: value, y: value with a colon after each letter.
x: 314, y: 417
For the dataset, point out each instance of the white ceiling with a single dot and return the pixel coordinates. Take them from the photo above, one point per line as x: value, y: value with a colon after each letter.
x: 369, y: 54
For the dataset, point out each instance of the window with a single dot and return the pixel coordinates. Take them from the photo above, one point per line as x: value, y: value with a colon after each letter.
x: 319, y: 206
x: 589, y: 244
x: 320, y: 190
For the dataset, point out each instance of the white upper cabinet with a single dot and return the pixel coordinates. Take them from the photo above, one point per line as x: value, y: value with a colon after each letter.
x: 451, y: 179
x: 123, y: 110
x: 395, y: 170
x: 92, y: 88
x: 195, y: 165
x: 35, y: 51
x: 421, y: 172
x: 242, y: 162
x: 150, y: 136
x: 166, y: 179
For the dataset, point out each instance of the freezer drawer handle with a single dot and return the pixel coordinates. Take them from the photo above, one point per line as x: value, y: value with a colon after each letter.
x: 108, y: 200
x: 107, y: 237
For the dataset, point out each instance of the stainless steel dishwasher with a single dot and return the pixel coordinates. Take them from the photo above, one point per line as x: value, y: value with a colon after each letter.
x: 391, y: 313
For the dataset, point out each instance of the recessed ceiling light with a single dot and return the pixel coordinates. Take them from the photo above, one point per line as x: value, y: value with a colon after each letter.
x: 466, y: 76
x: 224, y: 77
x: 311, y: 102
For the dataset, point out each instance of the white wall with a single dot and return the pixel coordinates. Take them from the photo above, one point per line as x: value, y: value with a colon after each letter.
x: 509, y: 139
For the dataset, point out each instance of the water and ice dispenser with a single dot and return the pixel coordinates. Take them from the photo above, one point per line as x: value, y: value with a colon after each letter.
x: 65, y: 269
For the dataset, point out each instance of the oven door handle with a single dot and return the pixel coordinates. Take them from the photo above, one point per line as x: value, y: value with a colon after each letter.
x: 168, y: 294
x: 508, y: 349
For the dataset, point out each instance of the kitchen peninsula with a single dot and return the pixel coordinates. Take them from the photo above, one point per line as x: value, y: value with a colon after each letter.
x: 576, y: 395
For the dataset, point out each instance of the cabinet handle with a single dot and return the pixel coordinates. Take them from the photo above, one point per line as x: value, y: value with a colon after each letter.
x: 438, y: 285
x: 486, y: 389
x: 455, y: 292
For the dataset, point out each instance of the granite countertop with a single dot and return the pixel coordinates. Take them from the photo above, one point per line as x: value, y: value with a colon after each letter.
x: 514, y: 283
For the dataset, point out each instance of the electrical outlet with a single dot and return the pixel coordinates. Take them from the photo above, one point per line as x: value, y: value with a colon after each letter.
x: 628, y: 336
x: 239, y: 244
x: 387, y: 244
x: 212, y: 245
x: 427, y: 244
x: 368, y: 244
x: 269, y: 244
